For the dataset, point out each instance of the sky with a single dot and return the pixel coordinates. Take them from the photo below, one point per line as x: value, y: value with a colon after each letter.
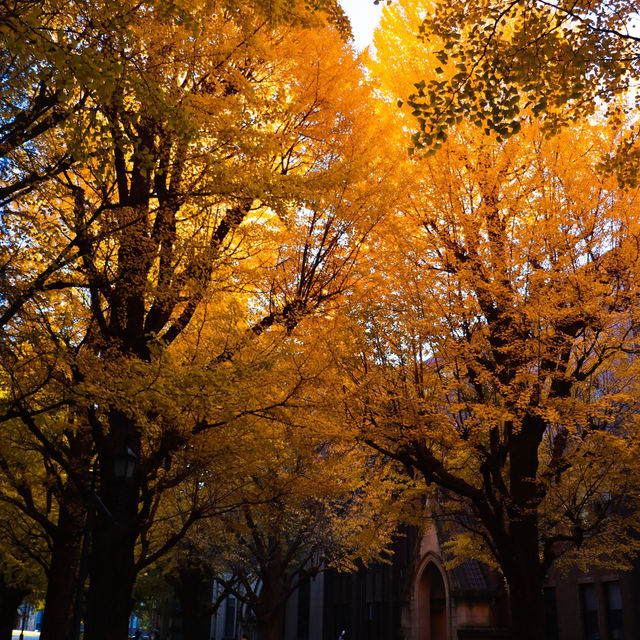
x: 364, y: 16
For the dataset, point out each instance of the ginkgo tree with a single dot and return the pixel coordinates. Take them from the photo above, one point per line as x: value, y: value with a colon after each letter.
x: 497, y: 356
x: 499, y: 370
x: 219, y: 192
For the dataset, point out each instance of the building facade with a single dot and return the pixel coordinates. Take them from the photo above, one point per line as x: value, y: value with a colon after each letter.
x: 415, y: 596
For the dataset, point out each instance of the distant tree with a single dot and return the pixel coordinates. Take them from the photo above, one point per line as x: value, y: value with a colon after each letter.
x: 306, y: 505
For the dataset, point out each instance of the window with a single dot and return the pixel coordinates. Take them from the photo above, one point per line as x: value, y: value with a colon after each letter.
x: 614, y: 609
x: 589, y: 603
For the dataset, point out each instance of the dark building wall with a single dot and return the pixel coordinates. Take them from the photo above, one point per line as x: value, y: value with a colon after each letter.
x: 598, y: 605
x: 368, y: 604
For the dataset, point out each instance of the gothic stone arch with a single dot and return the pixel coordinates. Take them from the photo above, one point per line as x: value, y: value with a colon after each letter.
x: 431, y: 608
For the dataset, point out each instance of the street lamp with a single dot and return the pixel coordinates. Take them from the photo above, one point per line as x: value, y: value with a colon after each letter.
x: 124, y: 464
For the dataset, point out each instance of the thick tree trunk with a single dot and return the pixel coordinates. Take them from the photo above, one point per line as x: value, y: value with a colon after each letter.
x: 525, y: 579
x: 63, y: 572
x: 527, y: 612
x: 521, y: 565
x: 272, y: 601
x: 10, y: 600
x: 272, y: 626
x: 111, y: 583
x: 111, y: 578
x: 112, y: 569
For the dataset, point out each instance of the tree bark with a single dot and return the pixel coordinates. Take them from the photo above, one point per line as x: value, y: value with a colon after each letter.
x: 111, y: 575
x: 522, y: 565
x: 271, y: 625
x: 524, y: 578
x: 271, y: 603
x: 112, y: 570
x: 63, y: 572
x: 193, y: 589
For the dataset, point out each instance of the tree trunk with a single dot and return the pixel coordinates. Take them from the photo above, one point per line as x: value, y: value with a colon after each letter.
x: 63, y: 572
x: 272, y: 602
x: 521, y: 565
x: 10, y: 600
x: 111, y: 578
x: 112, y: 569
x: 524, y: 578
x: 111, y: 583
x: 272, y: 625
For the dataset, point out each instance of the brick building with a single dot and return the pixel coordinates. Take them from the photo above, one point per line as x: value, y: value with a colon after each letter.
x: 415, y: 597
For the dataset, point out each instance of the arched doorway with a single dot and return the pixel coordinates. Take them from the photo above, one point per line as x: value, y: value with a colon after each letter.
x: 432, y: 604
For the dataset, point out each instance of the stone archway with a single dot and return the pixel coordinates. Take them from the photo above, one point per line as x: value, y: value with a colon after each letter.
x: 432, y: 604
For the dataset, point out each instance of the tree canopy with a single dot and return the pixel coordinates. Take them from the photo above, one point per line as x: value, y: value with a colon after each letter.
x: 219, y: 264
